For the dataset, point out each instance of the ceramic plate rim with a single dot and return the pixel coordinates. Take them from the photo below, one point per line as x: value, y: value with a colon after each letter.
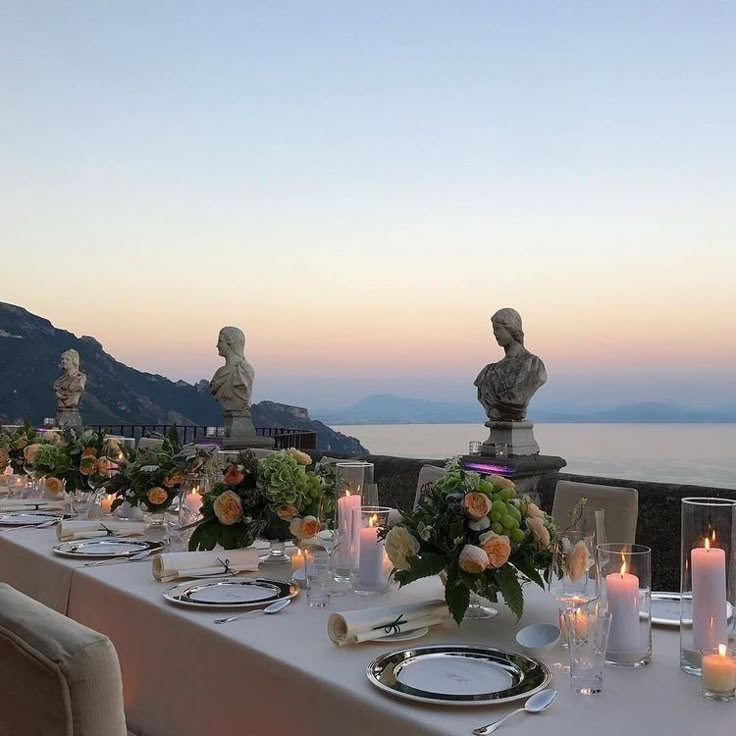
x: 454, y: 648
x: 169, y: 596
x: 60, y: 548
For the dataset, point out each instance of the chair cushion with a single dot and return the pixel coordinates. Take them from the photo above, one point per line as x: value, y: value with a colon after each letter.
x: 57, y: 677
x: 621, y: 506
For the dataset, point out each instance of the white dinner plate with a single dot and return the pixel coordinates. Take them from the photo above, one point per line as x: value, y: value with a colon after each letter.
x: 104, y: 547
x: 230, y: 592
x: 666, y: 609
x: 28, y: 518
x: 458, y: 675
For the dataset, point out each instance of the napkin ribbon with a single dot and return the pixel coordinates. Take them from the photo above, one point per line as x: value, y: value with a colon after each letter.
x: 394, y: 627
x: 226, y: 564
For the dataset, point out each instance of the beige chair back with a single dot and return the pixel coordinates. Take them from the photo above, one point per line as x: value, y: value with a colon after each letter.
x: 150, y: 443
x: 57, y: 677
x: 427, y: 474
x: 621, y: 506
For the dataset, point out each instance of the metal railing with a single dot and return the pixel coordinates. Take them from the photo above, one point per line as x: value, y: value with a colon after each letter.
x: 283, y: 437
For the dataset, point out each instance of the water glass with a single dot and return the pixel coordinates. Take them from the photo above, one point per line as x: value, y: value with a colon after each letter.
x: 79, y: 503
x: 17, y: 485
x: 587, y: 639
x: 176, y: 538
x: 318, y: 576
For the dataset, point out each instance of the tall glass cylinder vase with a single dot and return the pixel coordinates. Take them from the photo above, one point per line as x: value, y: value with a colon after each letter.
x: 707, y: 590
x: 626, y: 577
x: 369, y: 573
x: 350, y: 480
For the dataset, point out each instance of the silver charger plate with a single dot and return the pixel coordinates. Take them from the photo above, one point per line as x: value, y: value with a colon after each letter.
x: 458, y: 675
x: 231, y: 593
x: 28, y: 518
x: 666, y: 609
x: 104, y: 547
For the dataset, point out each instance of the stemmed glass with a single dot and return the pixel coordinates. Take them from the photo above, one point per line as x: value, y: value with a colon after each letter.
x: 592, y: 520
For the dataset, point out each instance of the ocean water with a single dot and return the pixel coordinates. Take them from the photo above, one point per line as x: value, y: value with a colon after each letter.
x: 702, y: 454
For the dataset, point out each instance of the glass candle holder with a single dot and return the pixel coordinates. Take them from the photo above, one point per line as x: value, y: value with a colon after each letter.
x: 626, y: 577
x: 368, y: 572
x: 17, y: 484
x: 719, y: 673
x: 588, y: 630
x: 706, y: 577
x: 190, y: 499
x: 351, y: 478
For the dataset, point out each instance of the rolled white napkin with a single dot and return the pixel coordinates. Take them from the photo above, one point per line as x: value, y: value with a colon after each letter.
x: 16, y: 504
x: 353, y: 627
x: 70, y: 530
x: 172, y: 565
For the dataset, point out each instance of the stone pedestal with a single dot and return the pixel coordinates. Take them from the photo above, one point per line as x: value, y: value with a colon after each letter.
x: 68, y: 418
x: 526, y: 471
x: 240, y: 432
x: 518, y: 436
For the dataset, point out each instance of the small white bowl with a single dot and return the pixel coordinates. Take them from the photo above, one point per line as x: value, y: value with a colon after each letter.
x: 537, y: 639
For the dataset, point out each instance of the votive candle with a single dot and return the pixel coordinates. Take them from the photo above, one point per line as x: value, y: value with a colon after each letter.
x: 106, y: 503
x: 719, y: 673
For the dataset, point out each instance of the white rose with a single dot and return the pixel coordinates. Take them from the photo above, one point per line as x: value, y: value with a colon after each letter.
x: 473, y: 559
x: 400, y: 546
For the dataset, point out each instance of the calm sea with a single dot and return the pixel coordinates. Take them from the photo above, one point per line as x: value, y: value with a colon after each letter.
x: 703, y: 454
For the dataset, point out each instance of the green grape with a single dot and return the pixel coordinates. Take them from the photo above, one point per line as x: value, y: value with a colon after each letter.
x: 506, y: 494
x: 486, y: 487
x: 516, y: 535
x: 509, y: 522
x: 513, y: 511
x: 496, y: 516
x: 499, y: 507
x: 496, y: 527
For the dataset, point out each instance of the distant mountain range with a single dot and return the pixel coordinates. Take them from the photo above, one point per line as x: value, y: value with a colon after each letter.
x: 390, y: 409
x: 30, y: 347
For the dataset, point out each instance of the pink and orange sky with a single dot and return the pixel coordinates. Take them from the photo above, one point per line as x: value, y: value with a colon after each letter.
x: 359, y: 187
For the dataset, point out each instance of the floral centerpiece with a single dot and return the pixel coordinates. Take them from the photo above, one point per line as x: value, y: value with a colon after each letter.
x: 256, y: 495
x: 478, y: 535
x: 12, y: 445
x: 152, y: 478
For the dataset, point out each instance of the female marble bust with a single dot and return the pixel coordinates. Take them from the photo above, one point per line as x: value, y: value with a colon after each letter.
x: 505, y: 388
x: 232, y: 384
x: 70, y: 385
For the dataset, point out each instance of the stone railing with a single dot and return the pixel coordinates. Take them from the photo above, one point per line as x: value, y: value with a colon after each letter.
x: 659, y: 506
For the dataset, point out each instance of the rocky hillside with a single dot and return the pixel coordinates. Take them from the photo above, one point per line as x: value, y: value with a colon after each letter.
x: 30, y: 347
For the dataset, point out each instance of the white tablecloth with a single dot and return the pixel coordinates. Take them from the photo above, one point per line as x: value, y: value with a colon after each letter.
x: 281, y: 675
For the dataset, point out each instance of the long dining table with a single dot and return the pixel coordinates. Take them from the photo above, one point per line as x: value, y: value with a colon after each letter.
x: 185, y: 676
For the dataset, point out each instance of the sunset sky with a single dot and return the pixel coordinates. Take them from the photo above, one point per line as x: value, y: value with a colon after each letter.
x: 360, y: 185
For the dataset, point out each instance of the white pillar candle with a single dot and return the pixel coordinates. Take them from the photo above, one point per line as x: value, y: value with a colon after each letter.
x: 194, y: 502
x: 106, y: 503
x: 708, y: 565
x: 622, y: 594
x: 719, y: 671
x: 345, y: 506
x: 370, y: 560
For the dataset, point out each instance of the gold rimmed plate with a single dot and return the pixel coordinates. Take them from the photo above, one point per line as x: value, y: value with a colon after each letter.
x: 458, y: 675
x: 231, y: 592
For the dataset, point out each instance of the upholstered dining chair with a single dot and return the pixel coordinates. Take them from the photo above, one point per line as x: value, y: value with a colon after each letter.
x: 427, y: 474
x: 57, y: 677
x: 621, y: 506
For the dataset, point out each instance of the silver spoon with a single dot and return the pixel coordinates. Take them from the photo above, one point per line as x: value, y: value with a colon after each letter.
x: 273, y: 608
x: 536, y: 704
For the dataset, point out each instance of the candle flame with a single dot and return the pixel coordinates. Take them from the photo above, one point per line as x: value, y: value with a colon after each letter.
x: 623, y: 565
x: 721, y: 650
x: 373, y: 520
x: 347, y: 493
x: 707, y: 544
x: 713, y: 536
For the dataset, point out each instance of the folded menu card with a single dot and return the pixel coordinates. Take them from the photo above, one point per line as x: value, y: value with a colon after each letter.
x: 172, y: 565
x: 70, y: 530
x: 353, y: 627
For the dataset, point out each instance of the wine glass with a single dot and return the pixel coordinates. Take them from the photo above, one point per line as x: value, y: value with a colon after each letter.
x: 592, y: 520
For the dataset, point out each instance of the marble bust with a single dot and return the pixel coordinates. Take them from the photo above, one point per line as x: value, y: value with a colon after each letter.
x: 505, y: 387
x: 232, y: 384
x: 69, y: 387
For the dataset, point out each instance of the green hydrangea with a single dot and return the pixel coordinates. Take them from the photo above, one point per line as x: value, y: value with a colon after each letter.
x: 282, y: 480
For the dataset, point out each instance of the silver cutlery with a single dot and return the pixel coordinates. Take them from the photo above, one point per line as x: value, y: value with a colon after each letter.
x: 133, y: 558
x: 42, y: 525
x: 273, y: 608
x: 536, y: 704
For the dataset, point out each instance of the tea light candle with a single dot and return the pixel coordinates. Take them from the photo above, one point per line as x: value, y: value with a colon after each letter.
x: 106, y: 503
x: 708, y: 566
x: 370, y: 561
x: 568, y: 602
x: 719, y: 672
x: 622, y: 593
x: 297, y: 561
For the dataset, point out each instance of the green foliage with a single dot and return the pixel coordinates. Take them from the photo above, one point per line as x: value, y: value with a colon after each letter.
x: 457, y: 594
x: 510, y: 588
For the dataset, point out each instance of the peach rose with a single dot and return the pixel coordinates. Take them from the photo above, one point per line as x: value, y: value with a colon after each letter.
x: 20, y: 443
x: 535, y: 524
x: 401, y: 545
x: 89, y: 452
x: 233, y: 476
x: 473, y: 560
x: 305, y: 528
x: 88, y: 465
x: 4, y: 459
x: 533, y: 510
x: 287, y: 512
x: 578, y: 560
x: 30, y: 452
x: 500, y: 482
x: 497, y: 547
x: 103, y: 466
x: 228, y: 508
x: 173, y: 479
x: 54, y: 486
x: 301, y: 457
x: 157, y: 496
x: 53, y: 438
x: 477, y: 505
